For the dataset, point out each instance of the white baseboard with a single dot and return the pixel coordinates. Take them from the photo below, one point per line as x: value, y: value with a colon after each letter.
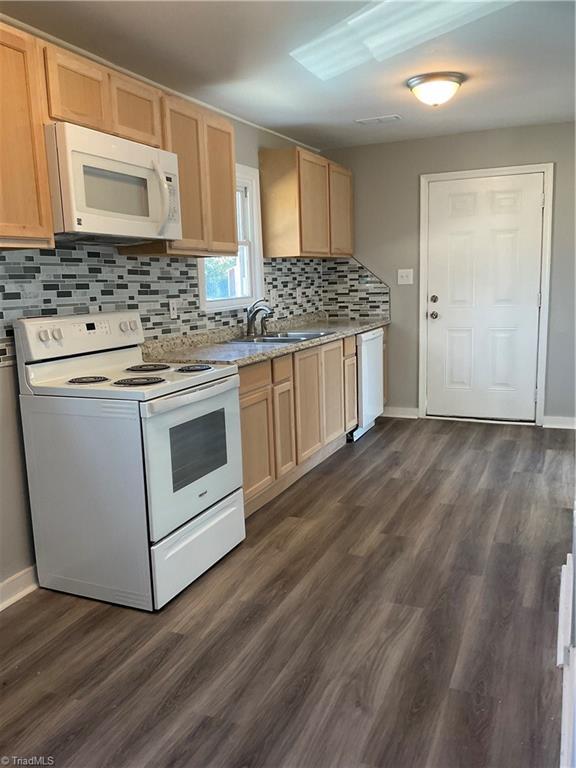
x: 400, y: 413
x: 17, y: 586
x: 559, y: 422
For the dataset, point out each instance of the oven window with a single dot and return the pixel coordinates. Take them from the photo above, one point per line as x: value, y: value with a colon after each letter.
x: 197, y: 447
x: 115, y: 192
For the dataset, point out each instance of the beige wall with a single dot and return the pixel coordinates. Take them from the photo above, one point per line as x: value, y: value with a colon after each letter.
x: 386, y: 178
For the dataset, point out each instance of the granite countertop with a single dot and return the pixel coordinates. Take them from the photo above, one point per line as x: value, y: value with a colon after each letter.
x: 186, y: 349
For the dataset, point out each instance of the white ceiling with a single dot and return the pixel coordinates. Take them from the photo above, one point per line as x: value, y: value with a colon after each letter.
x: 236, y: 56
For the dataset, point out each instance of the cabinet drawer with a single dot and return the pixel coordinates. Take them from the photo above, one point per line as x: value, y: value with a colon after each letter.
x: 183, y: 556
x: 349, y: 346
x: 255, y: 376
x: 282, y: 369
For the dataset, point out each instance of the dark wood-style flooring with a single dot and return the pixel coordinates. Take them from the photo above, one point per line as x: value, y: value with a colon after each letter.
x: 396, y: 608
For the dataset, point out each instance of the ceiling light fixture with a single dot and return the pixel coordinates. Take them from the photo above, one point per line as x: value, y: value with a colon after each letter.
x: 435, y: 88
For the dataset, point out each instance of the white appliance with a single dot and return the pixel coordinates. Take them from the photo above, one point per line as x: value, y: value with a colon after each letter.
x: 112, y: 190
x: 134, y: 469
x: 370, y: 349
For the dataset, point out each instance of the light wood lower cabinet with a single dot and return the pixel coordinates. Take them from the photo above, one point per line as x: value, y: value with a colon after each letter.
x: 25, y: 212
x: 284, y: 428
x: 333, y: 391
x: 256, y: 418
x: 309, y: 396
x: 350, y: 393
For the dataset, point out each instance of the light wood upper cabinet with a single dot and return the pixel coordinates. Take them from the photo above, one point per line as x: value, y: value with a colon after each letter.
x: 350, y: 393
x: 78, y: 89
x: 221, y: 171
x: 25, y: 213
x: 297, y: 209
x: 341, y: 211
x: 314, y: 204
x: 333, y: 391
x: 184, y: 135
x: 308, y: 395
x: 135, y: 110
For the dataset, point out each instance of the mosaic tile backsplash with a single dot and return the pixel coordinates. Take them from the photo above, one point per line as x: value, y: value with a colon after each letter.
x: 49, y: 282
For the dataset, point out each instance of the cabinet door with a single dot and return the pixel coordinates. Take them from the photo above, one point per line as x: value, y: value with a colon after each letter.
x: 308, y: 389
x: 24, y: 191
x: 314, y: 206
x: 184, y: 135
x: 284, y: 428
x: 78, y: 89
x: 333, y: 381
x: 135, y: 110
x: 221, y: 168
x: 350, y: 393
x: 257, y: 441
x: 341, y: 211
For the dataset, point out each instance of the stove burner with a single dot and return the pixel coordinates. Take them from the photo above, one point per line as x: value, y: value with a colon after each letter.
x: 139, y: 381
x: 148, y: 367
x: 195, y: 368
x: 88, y: 380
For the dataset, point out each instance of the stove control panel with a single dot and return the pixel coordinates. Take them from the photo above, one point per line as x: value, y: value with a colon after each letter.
x: 46, y: 338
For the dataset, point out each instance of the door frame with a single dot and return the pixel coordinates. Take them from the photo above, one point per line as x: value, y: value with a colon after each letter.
x: 425, y: 180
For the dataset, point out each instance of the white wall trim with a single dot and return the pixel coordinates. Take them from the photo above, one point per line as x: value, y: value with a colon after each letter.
x: 559, y: 422
x: 130, y: 73
x: 400, y: 413
x: 17, y: 586
x: 425, y: 180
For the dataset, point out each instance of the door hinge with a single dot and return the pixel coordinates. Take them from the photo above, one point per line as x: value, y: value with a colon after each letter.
x: 542, y: 200
x: 536, y: 395
x: 539, y: 300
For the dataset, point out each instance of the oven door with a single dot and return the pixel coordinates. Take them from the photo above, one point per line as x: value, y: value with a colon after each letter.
x: 192, y: 452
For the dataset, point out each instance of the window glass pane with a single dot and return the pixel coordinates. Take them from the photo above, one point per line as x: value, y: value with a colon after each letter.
x: 115, y: 192
x: 197, y: 448
x: 228, y: 277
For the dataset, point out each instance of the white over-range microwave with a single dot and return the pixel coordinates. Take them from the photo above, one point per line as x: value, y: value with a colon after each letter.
x: 107, y: 189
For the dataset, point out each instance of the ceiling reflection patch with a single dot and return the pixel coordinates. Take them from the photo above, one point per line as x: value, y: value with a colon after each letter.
x: 386, y: 29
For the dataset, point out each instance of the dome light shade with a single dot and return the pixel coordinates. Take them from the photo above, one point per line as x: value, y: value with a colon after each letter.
x: 436, y: 88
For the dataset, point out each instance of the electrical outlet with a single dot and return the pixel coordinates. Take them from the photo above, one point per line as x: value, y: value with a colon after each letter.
x: 174, y: 305
x: 405, y: 276
x: 273, y: 296
x: 299, y: 295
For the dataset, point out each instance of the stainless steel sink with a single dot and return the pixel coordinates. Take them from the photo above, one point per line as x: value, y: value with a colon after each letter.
x: 288, y: 337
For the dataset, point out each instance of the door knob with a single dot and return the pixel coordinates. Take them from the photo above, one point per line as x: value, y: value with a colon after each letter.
x: 434, y: 315
x: 434, y: 298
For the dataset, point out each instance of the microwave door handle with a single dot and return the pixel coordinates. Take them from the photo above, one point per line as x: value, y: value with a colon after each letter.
x: 164, y: 195
x: 172, y: 402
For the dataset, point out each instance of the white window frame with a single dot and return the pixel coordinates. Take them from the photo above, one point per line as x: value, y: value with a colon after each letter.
x: 249, y: 178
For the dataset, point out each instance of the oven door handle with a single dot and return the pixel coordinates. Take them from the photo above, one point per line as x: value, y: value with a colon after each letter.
x: 196, y: 395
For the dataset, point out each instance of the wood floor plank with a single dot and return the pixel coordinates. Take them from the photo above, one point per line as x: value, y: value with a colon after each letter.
x: 394, y: 608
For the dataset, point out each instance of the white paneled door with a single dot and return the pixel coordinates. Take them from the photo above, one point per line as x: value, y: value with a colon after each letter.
x: 484, y: 263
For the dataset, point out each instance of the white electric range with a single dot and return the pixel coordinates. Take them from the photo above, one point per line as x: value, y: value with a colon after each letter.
x: 134, y: 468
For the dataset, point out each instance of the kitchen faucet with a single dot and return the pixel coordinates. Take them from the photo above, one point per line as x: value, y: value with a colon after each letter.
x: 259, y: 307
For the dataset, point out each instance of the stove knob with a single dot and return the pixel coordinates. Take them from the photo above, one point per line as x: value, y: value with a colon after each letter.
x: 133, y: 325
x: 44, y: 335
x: 57, y: 334
x: 124, y: 326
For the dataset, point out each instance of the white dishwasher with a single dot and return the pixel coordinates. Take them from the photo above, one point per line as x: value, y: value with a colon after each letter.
x: 370, y: 348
